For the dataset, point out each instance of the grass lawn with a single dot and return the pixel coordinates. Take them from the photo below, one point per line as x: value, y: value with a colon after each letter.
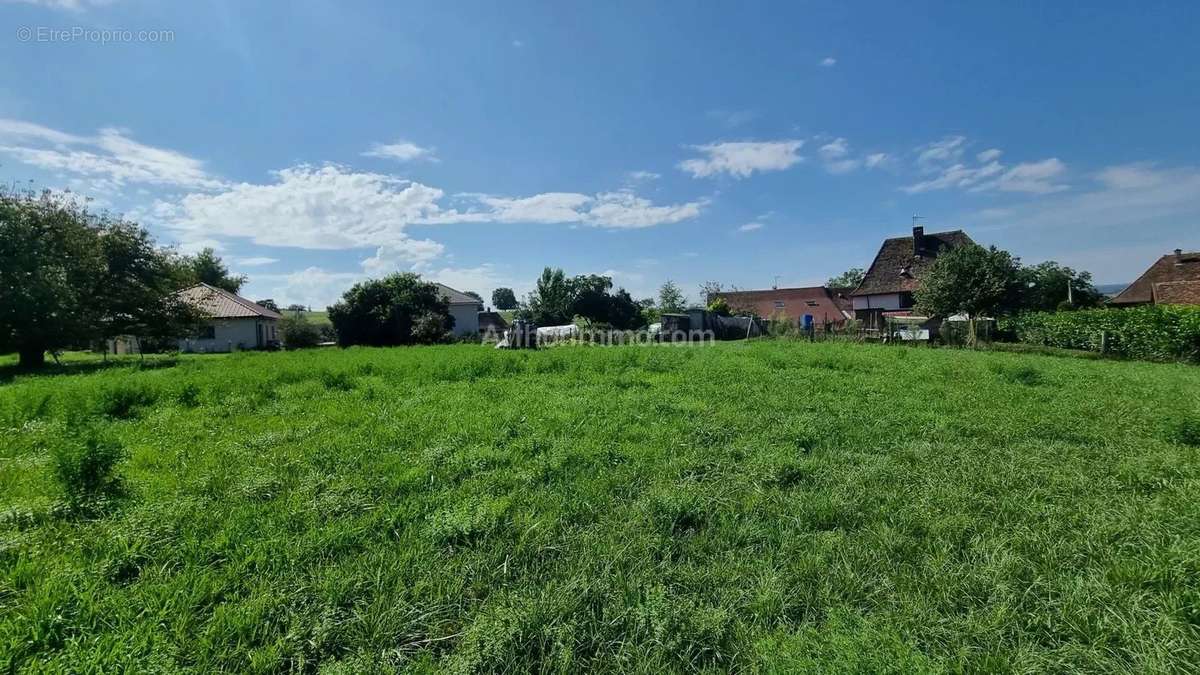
x: 752, y: 506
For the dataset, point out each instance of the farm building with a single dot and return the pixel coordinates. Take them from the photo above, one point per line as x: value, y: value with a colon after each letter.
x: 1173, y: 280
x: 464, y: 308
x: 826, y: 306
x: 234, y: 322
x: 887, y: 289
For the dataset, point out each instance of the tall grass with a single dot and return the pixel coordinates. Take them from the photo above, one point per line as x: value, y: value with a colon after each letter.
x: 746, y: 506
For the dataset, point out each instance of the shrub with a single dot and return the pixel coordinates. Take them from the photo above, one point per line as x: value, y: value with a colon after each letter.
x: 1150, y: 332
x: 122, y: 401
x: 1186, y: 431
x: 85, y: 467
x: 298, y: 332
x: 384, y: 312
x: 429, y: 328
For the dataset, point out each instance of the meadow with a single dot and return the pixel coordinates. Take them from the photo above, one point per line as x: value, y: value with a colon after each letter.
x: 763, y: 506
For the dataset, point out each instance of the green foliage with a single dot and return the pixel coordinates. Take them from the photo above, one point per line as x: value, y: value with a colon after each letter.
x: 761, y: 506
x: 504, y: 298
x: 394, y: 310
x: 207, y: 267
x: 671, y: 299
x: 298, y: 332
x: 71, y: 278
x: 269, y: 304
x: 1150, y: 332
x: 1044, y: 288
x: 552, y: 301
x: 85, y: 467
x: 851, y: 278
x: 970, y: 280
x: 720, y: 307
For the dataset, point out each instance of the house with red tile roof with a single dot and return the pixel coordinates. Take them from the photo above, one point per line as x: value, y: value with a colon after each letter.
x: 826, y: 306
x: 1173, y: 280
x: 233, y: 322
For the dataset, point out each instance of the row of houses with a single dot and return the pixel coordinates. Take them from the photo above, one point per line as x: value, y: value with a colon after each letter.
x: 887, y: 289
x: 886, y: 292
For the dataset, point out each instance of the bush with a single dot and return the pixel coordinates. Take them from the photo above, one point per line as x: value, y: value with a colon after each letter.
x: 429, y: 328
x: 1150, y: 332
x: 298, y: 332
x: 384, y: 312
x: 85, y: 467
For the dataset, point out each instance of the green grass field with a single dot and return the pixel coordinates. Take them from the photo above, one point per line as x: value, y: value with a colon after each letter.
x: 752, y: 506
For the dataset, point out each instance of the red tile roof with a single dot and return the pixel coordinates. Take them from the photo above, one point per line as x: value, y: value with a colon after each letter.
x: 1169, y: 268
x: 822, y: 303
x: 895, y: 268
x: 221, y: 304
x: 1177, y: 293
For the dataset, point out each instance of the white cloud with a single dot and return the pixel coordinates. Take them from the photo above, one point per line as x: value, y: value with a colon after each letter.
x: 254, y: 261
x: 931, y: 156
x: 988, y: 155
x: 1131, y: 176
x: 402, y: 151
x: 835, y: 156
x: 329, y: 207
x: 828, y: 62
x: 741, y: 159
x: 313, y: 286
x: 518, y: 44
x: 642, y: 176
x: 876, y: 160
x: 1035, y: 177
x: 835, y: 149
x: 944, y: 159
x: 111, y: 158
x: 750, y: 227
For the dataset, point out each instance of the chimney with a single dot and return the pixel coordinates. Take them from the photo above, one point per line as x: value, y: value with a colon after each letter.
x: 1178, y: 251
x: 918, y: 240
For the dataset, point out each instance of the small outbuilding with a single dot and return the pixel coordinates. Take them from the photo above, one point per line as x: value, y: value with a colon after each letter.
x: 233, y: 323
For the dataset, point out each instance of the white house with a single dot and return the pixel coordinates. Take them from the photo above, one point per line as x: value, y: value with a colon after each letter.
x: 234, y: 322
x: 464, y: 308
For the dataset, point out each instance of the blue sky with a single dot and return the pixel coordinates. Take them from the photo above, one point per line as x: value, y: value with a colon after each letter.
x: 318, y: 143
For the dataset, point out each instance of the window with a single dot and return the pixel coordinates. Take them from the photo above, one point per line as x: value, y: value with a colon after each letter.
x: 811, y: 303
x: 779, y: 304
x: 207, y: 333
x: 906, y: 300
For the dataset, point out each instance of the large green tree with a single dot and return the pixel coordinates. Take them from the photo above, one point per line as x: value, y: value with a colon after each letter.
x: 551, y: 303
x: 207, y: 267
x: 1045, y: 288
x: 971, y: 280
x: 69, y: 278
x: 504, y: 298
x: 671, y: 298
x: 851, y: 278
x: 399, y: 309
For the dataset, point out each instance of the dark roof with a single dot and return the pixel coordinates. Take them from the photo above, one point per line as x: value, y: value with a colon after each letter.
x: 456, y: 297
x: 895, y: 268
x: 1177, y: 293
x: 219, y: 303
x: 818, y: 301
x: 1169, y: 268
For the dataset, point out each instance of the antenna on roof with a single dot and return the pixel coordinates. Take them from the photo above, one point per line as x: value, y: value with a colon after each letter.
x: 916, y: 218
x: 776, y: 286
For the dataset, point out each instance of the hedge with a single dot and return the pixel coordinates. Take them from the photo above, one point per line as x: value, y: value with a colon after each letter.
x: 1149, y: 332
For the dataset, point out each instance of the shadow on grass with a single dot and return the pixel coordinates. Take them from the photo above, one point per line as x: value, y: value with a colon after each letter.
x: 9, y: 372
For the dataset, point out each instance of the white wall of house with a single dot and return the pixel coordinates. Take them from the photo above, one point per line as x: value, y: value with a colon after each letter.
x: 887, y: 301
x: 233, y: 334
x: 466, y: 318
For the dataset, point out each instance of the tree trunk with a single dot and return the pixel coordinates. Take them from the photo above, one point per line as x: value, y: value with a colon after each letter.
x: 32, y: 357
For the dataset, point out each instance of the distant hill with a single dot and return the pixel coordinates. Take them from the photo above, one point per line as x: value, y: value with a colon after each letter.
x: 1111, y: 289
